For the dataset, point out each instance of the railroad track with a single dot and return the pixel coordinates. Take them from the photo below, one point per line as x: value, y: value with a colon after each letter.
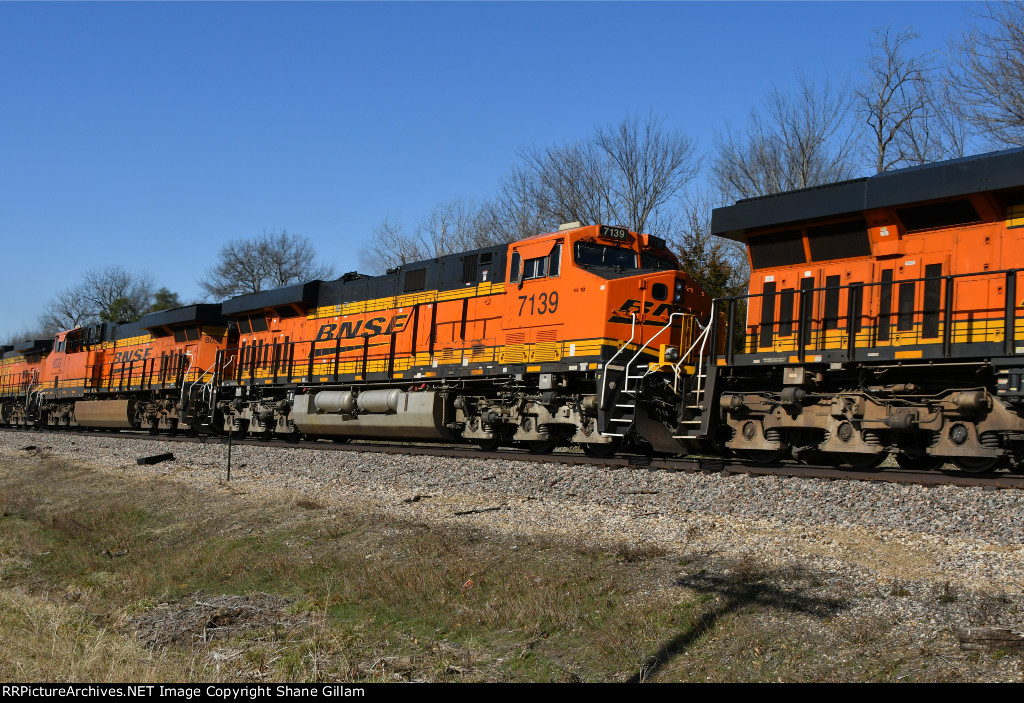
x: 709, y: 465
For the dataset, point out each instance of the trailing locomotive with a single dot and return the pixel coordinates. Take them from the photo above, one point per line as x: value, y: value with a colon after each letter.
x: 882, y: 319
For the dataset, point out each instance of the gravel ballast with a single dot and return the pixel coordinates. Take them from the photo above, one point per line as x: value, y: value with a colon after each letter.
x: 970, y: 537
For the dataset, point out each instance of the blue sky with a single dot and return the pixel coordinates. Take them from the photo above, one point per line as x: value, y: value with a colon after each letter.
x: 148, y: 134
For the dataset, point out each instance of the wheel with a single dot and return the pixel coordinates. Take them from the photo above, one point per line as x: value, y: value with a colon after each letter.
x: 864, y: 462
x: 173, y: 430
x: 542, y: 446
x: 977, y: 464
x: 488, y: 445
x: 154, y: 430
x: 293, y: 437
x: 600, y: 451
x: 192, y: 431
x: 921, y: 462
x: 763, y: 456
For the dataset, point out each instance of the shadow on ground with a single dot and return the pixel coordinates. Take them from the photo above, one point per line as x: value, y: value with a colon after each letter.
x: 732, y: 593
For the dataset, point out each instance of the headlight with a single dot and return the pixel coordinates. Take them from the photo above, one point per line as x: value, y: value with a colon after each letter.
x: 679, y: 285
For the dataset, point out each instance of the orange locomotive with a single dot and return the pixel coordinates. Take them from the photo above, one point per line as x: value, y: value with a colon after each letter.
x: 550, y: 340
x: 151, y: 374
x: 883, y: 317
x: 21, y: 367
x: 501, y: 344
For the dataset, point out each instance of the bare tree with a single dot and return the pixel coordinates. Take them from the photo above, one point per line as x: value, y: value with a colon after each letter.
x: 27, y: 333
x: 569, y: 183
x: 631, y: 173
x: 452, y: 226
x: 792, y: 141
x: 624, y: 174
x: 895, y: 95
x: 990, y: 76
x: 390, y: 245
x: 648, y: 168
x: 110, y: 294
x: 940, y: 131
x: 269, y: 260
x: 909, y: 105
x: 118, y: 294
x: 516, y: 212
x: 68, y: 310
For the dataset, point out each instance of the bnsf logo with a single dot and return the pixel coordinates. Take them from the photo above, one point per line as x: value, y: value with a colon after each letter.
x: 123, y: 357
x: 367, y: 328
x: 633, y: 306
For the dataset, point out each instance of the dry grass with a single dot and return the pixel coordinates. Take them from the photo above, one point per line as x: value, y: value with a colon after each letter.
x: 108, y: 578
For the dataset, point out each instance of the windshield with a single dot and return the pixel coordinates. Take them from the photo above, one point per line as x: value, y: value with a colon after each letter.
x: 652, y: 261
x: 588, y: 254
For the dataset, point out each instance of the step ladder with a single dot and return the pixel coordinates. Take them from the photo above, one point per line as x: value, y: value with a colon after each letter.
x: 623, y: 411
x: 693, y: 398
x: 190, y: 396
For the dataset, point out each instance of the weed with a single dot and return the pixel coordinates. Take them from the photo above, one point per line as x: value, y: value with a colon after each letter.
x: 947, y: 595
x: 749, y: 568
x: 898, y: 590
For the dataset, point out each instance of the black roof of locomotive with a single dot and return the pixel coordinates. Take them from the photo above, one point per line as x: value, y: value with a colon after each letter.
x: 32, y: 345
x: 441, y: 274
x: 205, y: 312
x: 303, y: 293
x: 972, y: 174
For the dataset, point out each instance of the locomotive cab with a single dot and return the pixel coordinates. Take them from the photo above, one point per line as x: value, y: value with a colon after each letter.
x: 650, y: 315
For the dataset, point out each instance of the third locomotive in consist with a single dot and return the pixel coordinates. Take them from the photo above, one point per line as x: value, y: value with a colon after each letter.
x: 881, y: 319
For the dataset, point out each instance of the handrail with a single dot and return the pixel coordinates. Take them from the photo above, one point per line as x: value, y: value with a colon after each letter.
x: 944, y: 314
x: 647, y: 344
x: 199, y: 379
x: 604, y: 371
x: 185, y: 376
x: 28, y: 388
x: 702, y: 339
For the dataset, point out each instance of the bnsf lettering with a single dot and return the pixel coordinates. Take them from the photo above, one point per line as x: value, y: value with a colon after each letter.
x: 123, y: 357
x: 373, y: 325
x: 326, y: 332
x: 633, y: 306
x: 357, y: 328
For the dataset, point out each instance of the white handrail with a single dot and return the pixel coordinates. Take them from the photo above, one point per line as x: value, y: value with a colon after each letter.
x: 647, y: 344
x: 185, y: 376
x: 701, y: 339
x: 604, y: 371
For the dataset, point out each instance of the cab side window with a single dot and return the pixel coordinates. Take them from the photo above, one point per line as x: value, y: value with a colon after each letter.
x: 555, y: 260
x: 538, y: 267
x: 535, y: 268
